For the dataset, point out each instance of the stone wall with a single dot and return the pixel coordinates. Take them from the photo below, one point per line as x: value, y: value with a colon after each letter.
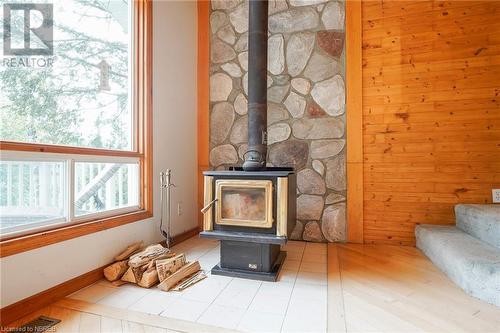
x: 306, y: 103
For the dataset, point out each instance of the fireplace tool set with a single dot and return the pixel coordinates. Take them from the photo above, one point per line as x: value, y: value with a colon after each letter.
x: 165, y: 186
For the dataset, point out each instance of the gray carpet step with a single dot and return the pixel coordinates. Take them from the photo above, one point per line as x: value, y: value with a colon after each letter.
x: 480, y: 221
x: 469, y: 262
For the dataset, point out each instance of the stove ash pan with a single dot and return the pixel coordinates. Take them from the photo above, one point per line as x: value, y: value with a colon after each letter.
x: 251, y: 213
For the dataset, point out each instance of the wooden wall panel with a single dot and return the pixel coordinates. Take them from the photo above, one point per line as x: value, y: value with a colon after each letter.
x: 431, y: 112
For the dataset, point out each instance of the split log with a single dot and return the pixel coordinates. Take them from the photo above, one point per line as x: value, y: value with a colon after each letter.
x: 129, y: 276
x: 189, y: 281
x: 149, y: 278
x: 115, y: 271
x: 181, y: 274
x: 145, y: 256
x: 167, y: 267
x: 152, y: 263
x: 130, y: 250
x: 139, y: 271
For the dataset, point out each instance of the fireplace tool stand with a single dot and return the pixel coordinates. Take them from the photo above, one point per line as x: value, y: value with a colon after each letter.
x: 165, y: 186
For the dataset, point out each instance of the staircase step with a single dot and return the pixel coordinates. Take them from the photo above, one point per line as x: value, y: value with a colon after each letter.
x: 480, y: 221
x: 472, y: 264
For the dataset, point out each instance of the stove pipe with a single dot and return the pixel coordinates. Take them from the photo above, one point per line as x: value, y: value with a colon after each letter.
x: 255, y: 157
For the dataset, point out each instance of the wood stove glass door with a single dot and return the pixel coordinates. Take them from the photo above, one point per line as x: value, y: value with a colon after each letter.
x: 246, y: 203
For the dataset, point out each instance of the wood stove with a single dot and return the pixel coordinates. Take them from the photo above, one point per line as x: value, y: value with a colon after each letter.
x: 251, y: 213
x: 251, y: 209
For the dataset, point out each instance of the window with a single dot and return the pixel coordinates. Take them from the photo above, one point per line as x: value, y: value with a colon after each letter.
x: 74, y: 122
x: 32, y: 193
x: 105, y: 186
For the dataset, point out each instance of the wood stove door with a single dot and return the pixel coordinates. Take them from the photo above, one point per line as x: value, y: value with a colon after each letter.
x: 246, y: 203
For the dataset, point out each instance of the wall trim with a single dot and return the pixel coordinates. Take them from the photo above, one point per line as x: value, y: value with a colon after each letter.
x: 44, y: 238
x: 203, y: 97
x: 183, y: 236
x: 354, y: 116
x: 33, y: 303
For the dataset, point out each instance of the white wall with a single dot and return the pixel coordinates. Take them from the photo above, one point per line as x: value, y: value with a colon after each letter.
x: 175, y: 128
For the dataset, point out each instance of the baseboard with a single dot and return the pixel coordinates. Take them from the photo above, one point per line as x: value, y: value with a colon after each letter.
x: 33, y: 303
x: 185, y: 235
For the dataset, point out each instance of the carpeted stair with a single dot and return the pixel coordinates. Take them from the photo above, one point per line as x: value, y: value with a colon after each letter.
x: 469, y: 253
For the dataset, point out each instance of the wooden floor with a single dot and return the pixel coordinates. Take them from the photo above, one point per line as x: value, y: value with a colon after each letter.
x: 371, y: 288
x: 374, y: 288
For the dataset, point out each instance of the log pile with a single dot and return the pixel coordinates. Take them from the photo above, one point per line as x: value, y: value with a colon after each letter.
x: 153, y: 265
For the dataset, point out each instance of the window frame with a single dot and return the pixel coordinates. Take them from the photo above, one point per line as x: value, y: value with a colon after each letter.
x: 142, y: 151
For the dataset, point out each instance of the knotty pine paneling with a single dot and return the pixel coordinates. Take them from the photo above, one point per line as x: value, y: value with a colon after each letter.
x: 431, y: 112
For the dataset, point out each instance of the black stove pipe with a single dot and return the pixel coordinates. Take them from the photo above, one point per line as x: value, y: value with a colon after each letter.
x: 255, y: 158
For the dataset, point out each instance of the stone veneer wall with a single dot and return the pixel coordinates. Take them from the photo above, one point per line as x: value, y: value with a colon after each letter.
x: 306, y: 103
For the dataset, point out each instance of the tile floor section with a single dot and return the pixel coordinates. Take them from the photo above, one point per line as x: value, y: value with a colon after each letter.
x: 296, y: 303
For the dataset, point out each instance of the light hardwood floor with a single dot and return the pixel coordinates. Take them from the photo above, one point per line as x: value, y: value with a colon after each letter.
x: 371, y: 288
x: 378, y: 288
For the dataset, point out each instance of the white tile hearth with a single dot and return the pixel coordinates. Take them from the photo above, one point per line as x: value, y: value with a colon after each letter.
x: 123, y: 298
x: 239, y: 293
x: 185, y: 309
x: 269, y: 304
x: 254, y: 321
x: 93, y: 293
x: 305, y: 316
x: 296, y: 303
x: 280, y: 289
x: 207, y: 290
x: 154, y: 303
x: 222, y: 316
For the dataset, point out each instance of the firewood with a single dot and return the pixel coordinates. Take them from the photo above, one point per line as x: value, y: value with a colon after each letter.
x: 166, y: 267
x: 145, y: 256
x: 115, y: 271
x: 189, y: 281
x: 149, y: 278
x: 152, y: 263
x: 130, y: 250
x: 129, y: 276
x: 139, y: 271
x: 182, y: 273
x: 146, y: 275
